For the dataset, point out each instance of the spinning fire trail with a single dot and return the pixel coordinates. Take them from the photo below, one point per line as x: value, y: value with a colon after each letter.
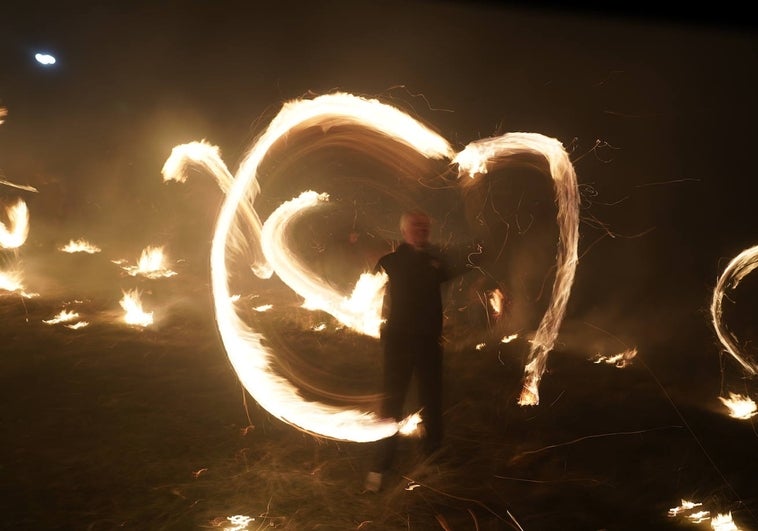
x: 239, y: 232
x: 740, y: 266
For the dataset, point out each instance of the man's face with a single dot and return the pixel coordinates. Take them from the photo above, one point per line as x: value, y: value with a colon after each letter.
x: 416, y: 231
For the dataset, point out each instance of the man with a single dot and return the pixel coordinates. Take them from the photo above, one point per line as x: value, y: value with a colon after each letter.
x: 412, y: 336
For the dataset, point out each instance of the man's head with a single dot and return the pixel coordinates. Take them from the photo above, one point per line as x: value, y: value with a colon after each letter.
x: 414, y: 226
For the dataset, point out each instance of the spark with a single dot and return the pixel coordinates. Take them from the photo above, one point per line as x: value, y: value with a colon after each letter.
x: 480, y: 346
x: 14, y: 235
x: 740, y: 266
x: 151, y: 264
x: 477, y: 158
x: 740, y: 406
x: 132, y: 305
x: 80, y: 246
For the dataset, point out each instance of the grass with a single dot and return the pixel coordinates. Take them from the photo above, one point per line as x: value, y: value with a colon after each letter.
x: 116, y: 427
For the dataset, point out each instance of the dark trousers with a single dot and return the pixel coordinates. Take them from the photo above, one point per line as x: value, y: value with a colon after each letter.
x: 404, y: 357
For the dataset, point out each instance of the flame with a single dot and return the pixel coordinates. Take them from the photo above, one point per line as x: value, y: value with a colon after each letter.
x: 63, y: 316
x: 80, y: 246
x: 496, y: 300
x: 685, y: 506
x: 3, y: 114
x: 244, y: 346
x: 724, y: 522
x: 263, y: 307
x: 132, y: 305
x: 476, y: 159
x: 508, y: 339
x: 740, y: 266
x: 740, y: 406
x: 151, y: 264
x: 14, y: 235
x: 77, y: 326
x: 620, y: 360
x: 12, y: 281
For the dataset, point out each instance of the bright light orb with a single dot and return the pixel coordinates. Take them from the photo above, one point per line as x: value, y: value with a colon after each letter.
x: 44, y: 59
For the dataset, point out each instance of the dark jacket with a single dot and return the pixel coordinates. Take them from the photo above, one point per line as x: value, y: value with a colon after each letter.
x: 413, y: 300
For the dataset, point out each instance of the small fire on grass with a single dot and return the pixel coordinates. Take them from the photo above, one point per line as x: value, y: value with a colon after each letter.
x: 12, y: 282
x: 65, y: 317
x: 740, y: 406
x: 151, y: 264
x: 620, y: 360
x: 132, y: 305
x: 692, y: 512
x: 80, y: 246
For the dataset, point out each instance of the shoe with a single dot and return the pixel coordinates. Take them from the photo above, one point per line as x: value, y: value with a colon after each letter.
x: 373, y: 482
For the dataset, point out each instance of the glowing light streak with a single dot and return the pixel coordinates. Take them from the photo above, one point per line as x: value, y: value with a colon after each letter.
x: 243, y: 345
x: 132, y: 305
x: 44, y: 59
x: 496, y: 300
x: 362, y: 311
x: 739, y: 267
x: 620, y: 360
x: 477, y: 158
x: 151, y: 264
x: 14, y: 235
x: 19, y: 186
x: 263, y: 307
x: 208, y: 157
x: 77, y: 326
x: 740, y: 406
x: 508, y: 339
x: 80, y: 246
